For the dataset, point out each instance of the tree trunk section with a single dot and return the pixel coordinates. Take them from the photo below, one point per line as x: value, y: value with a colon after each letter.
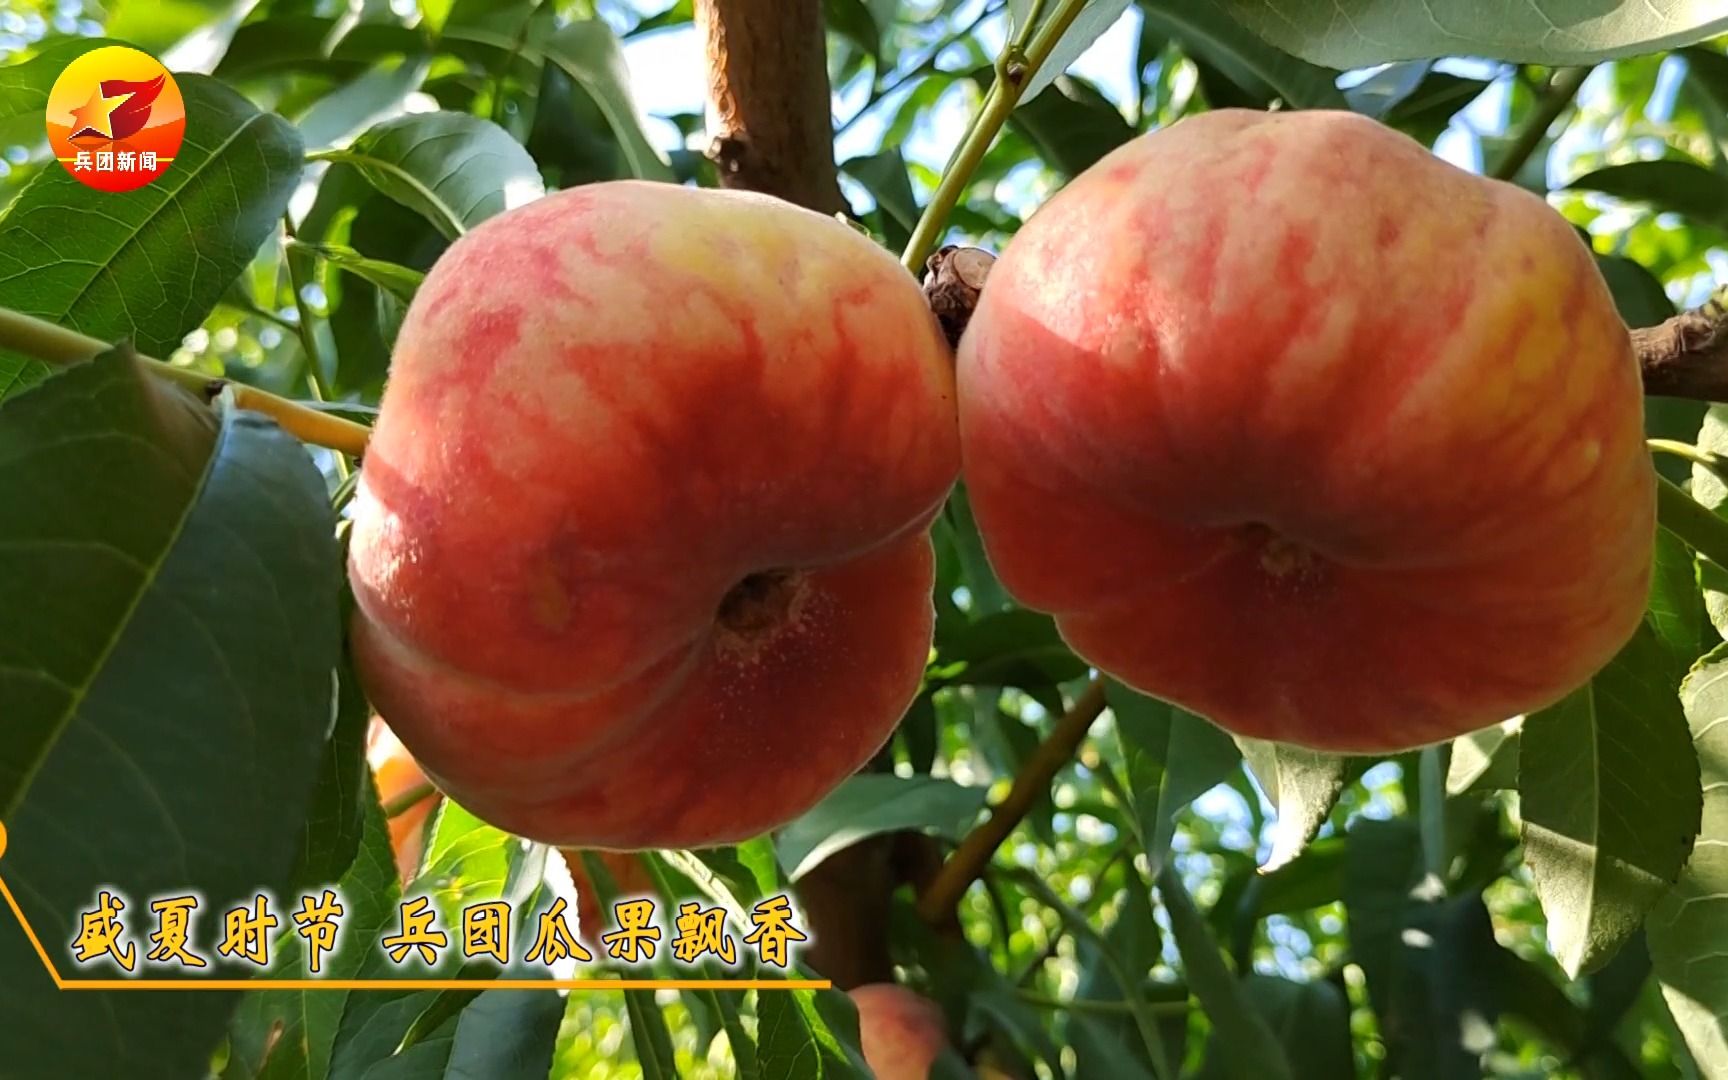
x: 769, y: 107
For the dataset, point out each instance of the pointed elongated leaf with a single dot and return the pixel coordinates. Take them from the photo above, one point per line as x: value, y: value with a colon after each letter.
x: 589, y: 52
x: 454, y: 169
x: 1095, y: 18
x: 652, y: 1038
x: 1302, y: 784
x: 1608, y: 786
x: 1311, y: 1021
x: 286, y: 1034
x: 872, y: 803
x: 1383, y: 865
x: 1682, y: 187
x: 1685, y: 929
x: 24, y: 87
x: 1207, y: 32
x: 401, y: 281
x: 1245, y: 1042
x: 167, y: 700
x: 149, y: 264
x: 1485, y: 760
x: 500, y: 1035
x: 1173, y: 757
x: 808, y: 1035
x: 1360, y: 33
x: 1676, y: 610
x: 1072, y: 126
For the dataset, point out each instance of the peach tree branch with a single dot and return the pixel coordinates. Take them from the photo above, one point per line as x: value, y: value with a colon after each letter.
x: 768, y: 99
x: 53, y: 344
x: 967, y: 863
x: 1014, y: 69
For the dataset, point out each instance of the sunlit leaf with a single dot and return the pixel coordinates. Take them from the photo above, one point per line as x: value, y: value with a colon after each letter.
x: 454, y: 169
x: 1206, y: 32
x: 1358, y: 33
x: 1608, y: 787
x: 1302, y: 786
x: 1684, y: 930
x: 872, y: 803
x: 149, y: 264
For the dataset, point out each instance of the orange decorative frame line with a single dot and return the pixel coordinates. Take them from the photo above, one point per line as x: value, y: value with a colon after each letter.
x: 386, y: 984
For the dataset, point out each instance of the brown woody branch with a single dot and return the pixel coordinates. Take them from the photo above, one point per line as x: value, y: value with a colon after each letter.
x: 1687, y: 356
x: 967, y: 863
x: 768, y: 99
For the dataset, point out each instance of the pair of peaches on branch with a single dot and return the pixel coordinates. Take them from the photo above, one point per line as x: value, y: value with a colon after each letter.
x: 1284, y: 420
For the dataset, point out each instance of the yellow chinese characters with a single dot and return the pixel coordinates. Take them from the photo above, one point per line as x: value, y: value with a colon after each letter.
x: 416, y: 933
x: 554, y: 941
x: 636, y: 937
x: 99, y: 933
x: 317, y: 921
x: 702, y: 932
x: 170, y: 941
x: 772, y: 919
x: 246, y: 932
x: 486, y: 931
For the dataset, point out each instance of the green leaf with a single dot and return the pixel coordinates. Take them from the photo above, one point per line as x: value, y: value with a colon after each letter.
x: 590, y: 54
x: 1246, y: 1046
x: 1311, y: 1021
x: 1380, y: 92
x: 1008, y: 648
x: 1429, y: 109
x: 151, y: 263
x: 466, y: 861
x: 743, y: 1046
x: 24, y: 87
x: 303, y: 43
x: 1383, y: 866
x: 335, y: 822
x: 1302, y: 785
x: 500, y: 1035
x: 1608, y: 790
x: 1360, y: 33
x: 1638, y: 294
x: 375, y: 95
x: 1676, y: 610
x: 1206, y: 32
x: 987, y: 593
x: 1072, y: 127
x: 884, y: 176
x: 1095, y: 18
x: 808, y: 1035
x: 154, y: 25
x: 453, y: 169
x: 872, y: 803
x: 1485, y: 760
x: 287, y: 1034
x: 1448, y: 989
x: 1129, y: 981
x: 166, y: 701
x: 1685, y: 928
x: 401, y: 281
x: 1132, y: 943
x: 1172, y: 757
x: 652, y: 1038
x: 1683, y: 187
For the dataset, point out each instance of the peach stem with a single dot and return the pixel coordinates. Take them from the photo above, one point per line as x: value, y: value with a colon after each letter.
x: 1014, y: 69
x: 53, y: 344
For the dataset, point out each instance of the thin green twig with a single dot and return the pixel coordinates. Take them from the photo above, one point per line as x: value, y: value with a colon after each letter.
x: 1014, y: 69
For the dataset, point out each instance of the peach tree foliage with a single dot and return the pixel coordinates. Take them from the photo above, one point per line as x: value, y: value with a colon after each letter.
x: 177, y: 708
